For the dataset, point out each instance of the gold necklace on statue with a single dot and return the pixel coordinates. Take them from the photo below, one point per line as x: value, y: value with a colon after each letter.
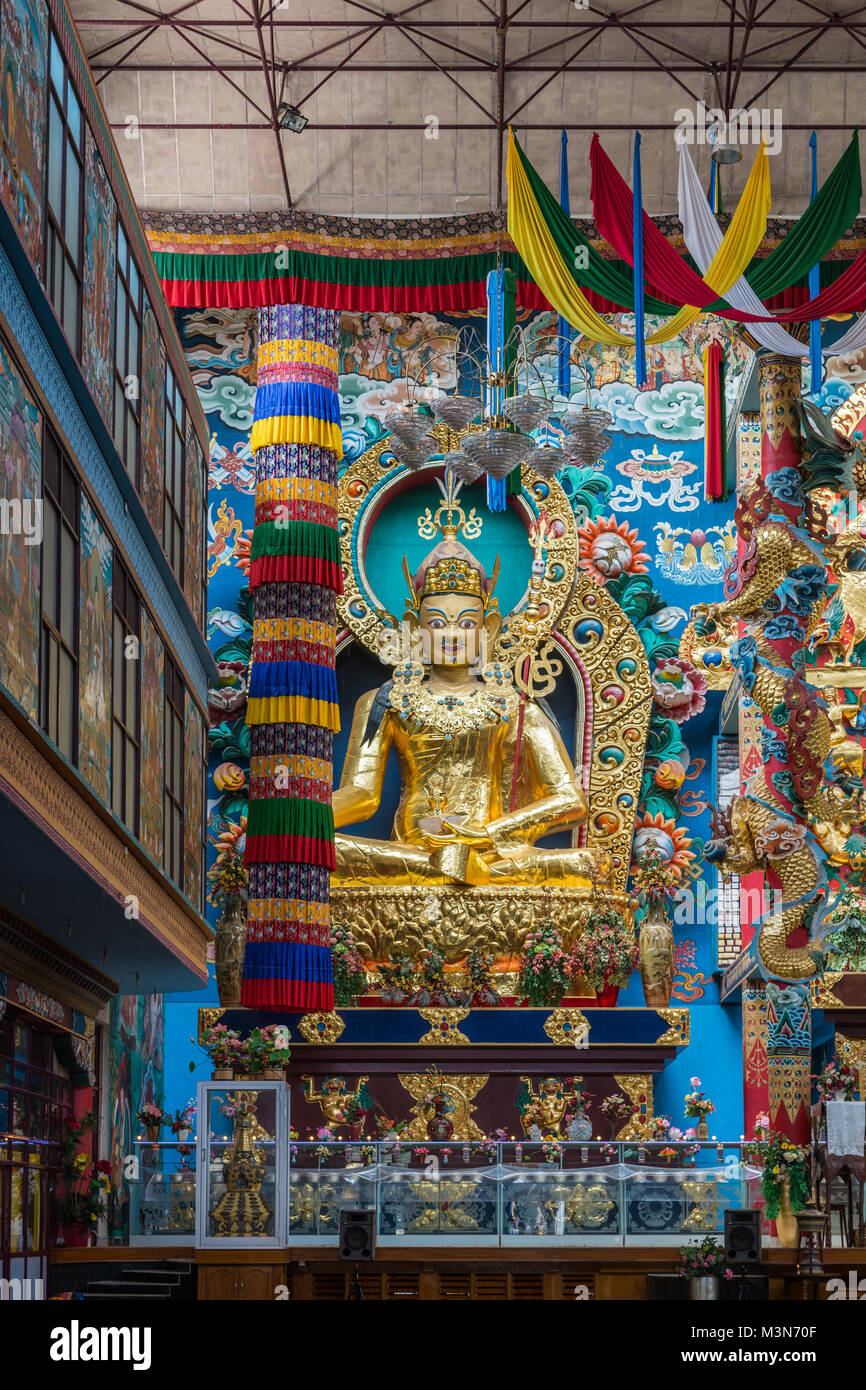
x: 452, y: 713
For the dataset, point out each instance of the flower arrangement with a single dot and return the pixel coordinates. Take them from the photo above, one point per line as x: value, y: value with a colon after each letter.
x: 609, y: 1151
x: 544, y: 968
x: 605, y: 952
x: 659, y: 1126
x: 698, y: 1106
x: 388, y: 1128
x: 223, y: 1046
x: 847, y: 943
x: 783, y: 1160
x: 762, y: 1127
x: 83, y: 1184
x: 358, y: 1105
x: 228, y: 877
x: 264, y: 1049
x: 479, y: 975
x: 576, y: 1101
x: 668, y: 1154
x: 398, y: 979
x: 368, y: 1153
x: 487, y: 1149
x: 654, y: 880
x: 616, y: 1109
x: 836, y: 1081
x: 706, y: 1260
x: 183, y: 1119
x: 184, y: 1150
x: 551, y: 1150
x: 350, y: 977
x: 433, y: 985
x: 151, y: 1116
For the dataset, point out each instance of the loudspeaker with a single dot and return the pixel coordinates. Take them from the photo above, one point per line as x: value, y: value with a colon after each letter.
x: 743, y: 1237
x: 357, y: 1233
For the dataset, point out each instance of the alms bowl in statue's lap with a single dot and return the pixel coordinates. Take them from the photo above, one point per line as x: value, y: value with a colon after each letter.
x: 400, y: 920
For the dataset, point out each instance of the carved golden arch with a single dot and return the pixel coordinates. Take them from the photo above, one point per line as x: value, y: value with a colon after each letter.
x: 585, y: 625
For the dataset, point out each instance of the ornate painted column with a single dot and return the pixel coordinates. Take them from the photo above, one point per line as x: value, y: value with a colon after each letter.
x: 292, y: 709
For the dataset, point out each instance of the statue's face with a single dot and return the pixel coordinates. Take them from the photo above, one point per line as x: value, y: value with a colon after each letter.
x: 454, y: 623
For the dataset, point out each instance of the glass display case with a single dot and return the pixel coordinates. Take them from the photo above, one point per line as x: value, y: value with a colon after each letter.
x: 253, y: 1188
x: 242, y: 1164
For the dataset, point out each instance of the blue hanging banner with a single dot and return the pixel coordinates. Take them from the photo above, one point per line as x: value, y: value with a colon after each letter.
x: 637, y: 202
x: 563, y: 327
x: 497, y: 337
x: 814, y: 288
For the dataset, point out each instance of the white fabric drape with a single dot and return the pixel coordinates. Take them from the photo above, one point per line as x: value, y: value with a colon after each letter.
x: 703, y: 238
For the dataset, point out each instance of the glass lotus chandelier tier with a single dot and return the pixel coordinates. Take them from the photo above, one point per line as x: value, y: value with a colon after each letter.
x: 512, y: 402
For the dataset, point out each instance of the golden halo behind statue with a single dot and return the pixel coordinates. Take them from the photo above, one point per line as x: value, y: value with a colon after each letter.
x: 364, y: 490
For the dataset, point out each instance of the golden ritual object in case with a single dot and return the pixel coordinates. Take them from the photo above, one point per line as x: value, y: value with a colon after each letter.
x: 242, y: 1210
x: 484, y: 771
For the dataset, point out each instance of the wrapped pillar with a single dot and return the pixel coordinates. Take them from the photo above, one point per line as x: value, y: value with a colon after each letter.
x: 292, y: 707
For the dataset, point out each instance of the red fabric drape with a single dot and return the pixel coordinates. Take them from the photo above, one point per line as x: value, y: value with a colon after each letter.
x: 714, y: 443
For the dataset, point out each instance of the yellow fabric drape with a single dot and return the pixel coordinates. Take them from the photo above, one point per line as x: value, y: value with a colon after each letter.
x: 535, y: 244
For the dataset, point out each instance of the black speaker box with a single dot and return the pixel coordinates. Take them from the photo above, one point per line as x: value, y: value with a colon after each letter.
x: 742, y: 1238
x: 357, y: 1233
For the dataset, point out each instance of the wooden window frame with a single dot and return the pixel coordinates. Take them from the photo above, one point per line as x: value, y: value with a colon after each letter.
x: 133, y: 310
x: 50, y: 632
x: 125, y: 624
x: 56, y: 240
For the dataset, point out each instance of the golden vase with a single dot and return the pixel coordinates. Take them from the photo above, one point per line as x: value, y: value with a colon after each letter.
x: 656, y: 956
x: 229, y: 944
x: 786, y: 1222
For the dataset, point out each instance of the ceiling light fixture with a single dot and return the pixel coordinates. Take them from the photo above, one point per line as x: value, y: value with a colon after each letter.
x: 290, y: 118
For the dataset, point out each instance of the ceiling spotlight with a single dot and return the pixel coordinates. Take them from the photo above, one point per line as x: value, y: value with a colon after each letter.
x: 290, y: 118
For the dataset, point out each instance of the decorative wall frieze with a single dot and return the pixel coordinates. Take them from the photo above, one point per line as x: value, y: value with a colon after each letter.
x: 26, y: 950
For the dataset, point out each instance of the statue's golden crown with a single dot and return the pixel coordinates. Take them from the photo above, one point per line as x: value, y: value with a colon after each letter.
x: 451, y: 575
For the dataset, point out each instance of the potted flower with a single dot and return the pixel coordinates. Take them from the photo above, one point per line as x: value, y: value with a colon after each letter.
x: 181, y: 1125
x: 265, y: 1052
x: 551, y: 1150
x: 487, y: 1149
x: 654, y: 883
x: 785, y: 1182
x: 609, y: 1151
x: 616, y: 1109
x: 668, y: 1154
x: 228, y: 878
x: 544, y: 968
x: 605, y: 953
x: 577, y: 1124
x: 479, y: 976
x: 153, y: 1117
x: 223, y: 1046
x: 82, y: 1185
x: 698, y: 1107
x: 355, y: 1111
x: 762, y: 1127
x: 704, y: 1265
x: 350, y: 976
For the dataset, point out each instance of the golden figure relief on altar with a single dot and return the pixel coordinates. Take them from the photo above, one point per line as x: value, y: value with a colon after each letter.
x: 485, y: 776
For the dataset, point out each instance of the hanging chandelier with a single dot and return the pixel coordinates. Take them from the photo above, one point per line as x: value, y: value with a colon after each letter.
x: 511, y: 404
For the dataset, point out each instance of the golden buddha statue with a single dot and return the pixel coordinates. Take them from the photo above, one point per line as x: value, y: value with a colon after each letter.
x: 483, y: 773
x: 485, y: 777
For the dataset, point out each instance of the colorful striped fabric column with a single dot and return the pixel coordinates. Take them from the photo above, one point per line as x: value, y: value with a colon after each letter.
x: 292, y: 708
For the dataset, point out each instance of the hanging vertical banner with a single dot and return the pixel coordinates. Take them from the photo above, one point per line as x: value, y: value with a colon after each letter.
x: 501, y: 352
x: 814, y: 286
x: 563, y: 328
x: 637, y: 215
x: 715, y: 473
x: 292, y: 709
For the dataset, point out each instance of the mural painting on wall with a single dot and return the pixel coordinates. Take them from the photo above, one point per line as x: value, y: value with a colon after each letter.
x: 100, y: 273
x: 152, y: 714
x: 24, y: 45
x: 20, y: 487
x: 152, y: 416
x: 94, y: 671
x: 220, y: 351
x: 193, y: 802
x: 193, y: 570
x: 135, y: 1076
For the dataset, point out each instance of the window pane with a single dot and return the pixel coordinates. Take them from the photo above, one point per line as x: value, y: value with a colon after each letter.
x: 49, y: 560
x: 70, y: 308
x: 73, y: 114
x: 133, y: 281
x: 66, y: 713
x: 130, y: 711
x: 67, y: 586
x: 117, y: 772
x: 132, y: 360
x: 70, y: 498
x: 120, y: 339
x: 55, y: 160
x: 121, y: 246
x: 73, y: 187
x: 58, y: 262
x: 57, y: 66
